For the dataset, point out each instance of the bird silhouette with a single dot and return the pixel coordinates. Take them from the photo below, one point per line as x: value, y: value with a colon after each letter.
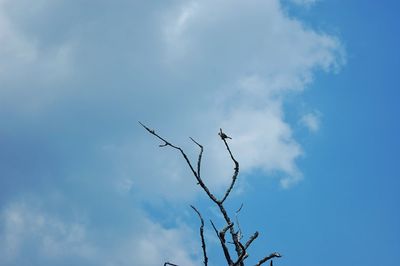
x: 223, y: 135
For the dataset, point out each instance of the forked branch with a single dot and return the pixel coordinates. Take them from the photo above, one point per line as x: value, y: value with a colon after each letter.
x: 221, y: 237
x: 203, y: 242
x: 241, y: 249
x: 195, y: 173
x: 200, y: 180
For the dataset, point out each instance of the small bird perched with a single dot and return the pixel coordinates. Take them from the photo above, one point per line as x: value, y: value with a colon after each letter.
x: 223, y: 135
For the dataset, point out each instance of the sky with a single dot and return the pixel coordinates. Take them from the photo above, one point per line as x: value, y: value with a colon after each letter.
x: 305, y: 88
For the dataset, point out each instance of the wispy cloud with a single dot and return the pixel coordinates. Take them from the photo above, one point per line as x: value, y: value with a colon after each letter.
x: 304, y: 2
x: 26, y: 58
x: 27, y: 229
x: 76, y: 78
x: 259, y: 56
x: 311, y: 121
x: 30, y: 233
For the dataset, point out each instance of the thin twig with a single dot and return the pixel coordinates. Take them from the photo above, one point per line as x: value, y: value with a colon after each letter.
x: 231, y: 228
x: 240, y: 235
x: 242, y: 256
x: 240, y: 208
x: 273, y: 255
x: 235, y: 172
x: 228, y: 226
x: 167, y: 143
x: 169, y: 263
x: 201, y: 183
x: 203, y: 243
x: 236, y: 236
x: 199, y: 159
x: 221, y: 237
x: 251, y: 239
x: 196, y: 175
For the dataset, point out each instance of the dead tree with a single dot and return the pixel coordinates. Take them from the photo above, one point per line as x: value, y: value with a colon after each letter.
x: 234, y: 230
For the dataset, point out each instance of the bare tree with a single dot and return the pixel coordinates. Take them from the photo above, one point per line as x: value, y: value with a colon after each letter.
x: 234, y: 230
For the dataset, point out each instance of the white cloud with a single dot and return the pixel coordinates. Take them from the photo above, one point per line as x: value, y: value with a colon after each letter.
x: 165, y: 245
x: 213, y: 64
x: 20, y: 50
x: 32, y: 233
x: 240, y: 56
x: 246, y: 36
x: 25, y: 227
x: 311, y: 121
x: 304, y: 2
x: 23, y: 55
x: 14, y: 47
x: 263, y: 140
x: 259, y: 55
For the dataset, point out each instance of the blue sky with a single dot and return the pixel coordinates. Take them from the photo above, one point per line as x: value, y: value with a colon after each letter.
x: 307, y: 90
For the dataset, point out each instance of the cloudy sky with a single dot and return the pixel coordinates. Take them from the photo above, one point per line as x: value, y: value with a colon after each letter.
x: 306, y: 89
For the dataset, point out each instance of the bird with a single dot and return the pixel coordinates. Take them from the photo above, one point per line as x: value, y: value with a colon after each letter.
x: 223, y: 135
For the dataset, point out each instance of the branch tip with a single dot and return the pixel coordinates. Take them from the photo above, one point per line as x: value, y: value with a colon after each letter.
x: 198, y: 144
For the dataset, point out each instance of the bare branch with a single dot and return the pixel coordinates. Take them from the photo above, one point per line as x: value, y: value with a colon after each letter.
x: 251, y: 239
x: 221, y: 237
x: 273, y: 255
x: 171, y: 264
x: 201, y: 183
x: 239, y: 232
x: 240, y: 208
x: 203, y: 243
x: 240, y: 249
x: 234, y: 235
x: 167, y: 143
x: 198, y: 178
x: 236, y: 169
x: 231, y: 229
x: 199, y: 159
x: 229, y: 226
x: 242, y: 256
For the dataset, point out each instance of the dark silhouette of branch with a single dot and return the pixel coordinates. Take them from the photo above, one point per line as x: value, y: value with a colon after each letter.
x: 196, y: 175
x: 251, y: 239
x: 236, y: 169
x: 242, y: 256
x: 234, y: 235
x: 221, y: 236
x: 200, y: 155
x: 171, y: 264
x: 203, y: 243
x: 241, y: 250
x: 273, y: 255
x: 201, y: 183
